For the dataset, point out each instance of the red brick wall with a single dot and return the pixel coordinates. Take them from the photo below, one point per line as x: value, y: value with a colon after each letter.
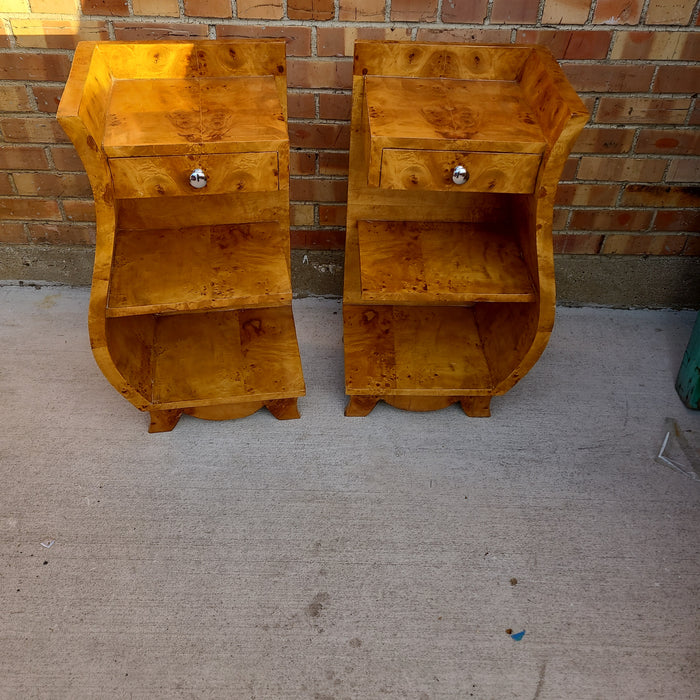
x: 629, y: 188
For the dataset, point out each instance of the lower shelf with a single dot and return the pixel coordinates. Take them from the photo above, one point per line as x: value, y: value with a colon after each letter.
x: 199, y: 267
x: 211, y: 358
x: 414, y: 351
x: 429, y: 262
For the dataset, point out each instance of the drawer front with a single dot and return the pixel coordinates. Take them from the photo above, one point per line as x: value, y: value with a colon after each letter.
x: 404, y: 169
x: 169, y: 176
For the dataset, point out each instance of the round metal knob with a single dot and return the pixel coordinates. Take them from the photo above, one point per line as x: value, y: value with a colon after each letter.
x: 460, y: 175
x: 198, y: 178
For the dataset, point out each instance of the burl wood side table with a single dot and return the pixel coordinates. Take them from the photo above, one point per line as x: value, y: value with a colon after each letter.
x: 187, y: 151
x: 455, y: 157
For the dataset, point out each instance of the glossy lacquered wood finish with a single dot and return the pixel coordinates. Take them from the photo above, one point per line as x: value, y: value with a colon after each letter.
x: 449, y: 288
x: 190, y: 309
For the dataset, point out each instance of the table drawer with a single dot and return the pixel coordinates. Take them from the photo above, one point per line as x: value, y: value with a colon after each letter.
x: 169, y: 176
x: 404, y: 169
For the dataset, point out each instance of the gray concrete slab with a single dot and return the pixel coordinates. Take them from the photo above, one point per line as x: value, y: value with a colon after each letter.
x: 332, y: 557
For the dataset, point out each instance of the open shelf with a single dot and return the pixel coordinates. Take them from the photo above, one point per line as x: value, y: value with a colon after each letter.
x: 414, y: 351
x: 209, y: 358
x: 170, y: 116
x: 443, y: 113
x: 441, y: 263
x: 199, y: 267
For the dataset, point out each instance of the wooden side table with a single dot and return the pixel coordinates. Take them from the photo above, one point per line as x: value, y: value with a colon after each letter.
x: 187, y: 151
x: 455, y: 156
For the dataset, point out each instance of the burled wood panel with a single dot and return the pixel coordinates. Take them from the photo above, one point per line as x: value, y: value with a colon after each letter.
x: 403, y: 169
x: 451, y: 114
x: 421, y: 351
x: 205, y: 115
x: 438, y: 263
x: 196, y: 268
x: 169, y: 176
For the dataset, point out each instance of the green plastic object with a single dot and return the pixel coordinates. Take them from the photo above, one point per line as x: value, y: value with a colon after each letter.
x: 688, y: 380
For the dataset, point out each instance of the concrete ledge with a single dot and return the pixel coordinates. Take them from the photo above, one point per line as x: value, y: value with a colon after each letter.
x: 622, y: 281
x: 628, y: 281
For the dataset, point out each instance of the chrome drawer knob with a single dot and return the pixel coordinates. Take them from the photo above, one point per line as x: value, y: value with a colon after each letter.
x: 198, y: 178
x: 460, y: 175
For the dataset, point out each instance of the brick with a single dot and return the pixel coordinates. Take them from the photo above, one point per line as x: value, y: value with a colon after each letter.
x: 333, y: 163
x: 61, y: 7
x: 685, y: 79
x: 514, y: 12
x: 208, y: 8
x: 621, y: 169
x: 62, y: 234
x: 316, y: 73
x: 618, y: 12
x: 611, y: 220
x: 577, y: 243
x: 661, y: 196
x: 587, y: 195
x: 414, y: 10
x: 560, y: 219
x: 340, y: 41
x: 301, y: 105
x: 684, y: 170
x: 569, y: 44
x: 23, y: 158
x: 47, y: 97
x: 332, y: 214
x: 302, y: 163
x: 570, y: 168
x: 301, y: 214
x: 26, y: 66
x: 12, y: 232
x: 642, y: 110
x: 52, y: 184
x: 14, y: 6
x: 604, y: 140
x: 335, y: 106
x: 57, y: 34
x: 670, y: 11
x: 694, y: 119
x: 157, y: 8
x: 4, y: 37
x: 66, y: 159
x: 32, y: 130
x: 311, y: 9
x: 14, y: 98
x: 113, y: 8
x: 459, y: 11
x: 565, y: 11
x: 155, y: 31
x: 331, y: 41
x: 6, y: 185
x: 333, y: 239
x: 79, y: 209
x: 319, y: 136
x: 590, y: 77
x: 469, y: 36
x: 653, y: 45
x: 297, y: 38
x: 622, y: 244
x: 30, y: 208
x: 361, y: 10
x: 677, y: 220
x: 669, y: 141
x: 260, y: 9
x: 318, y: 190
x: 692, y: 246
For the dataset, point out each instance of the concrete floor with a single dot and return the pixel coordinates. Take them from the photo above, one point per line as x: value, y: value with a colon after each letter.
x: 329, y: 557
